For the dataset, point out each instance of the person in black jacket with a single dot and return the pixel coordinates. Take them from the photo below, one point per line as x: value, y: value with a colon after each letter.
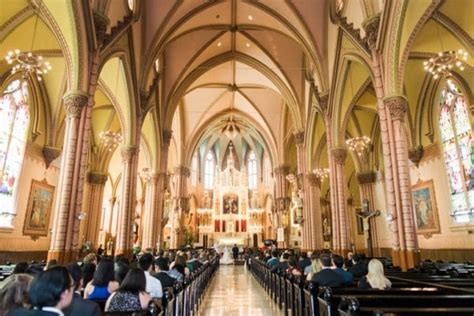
x: 282, y: 265
x: 327, y: 276
x: 304, y: 261
x: 161, y: 268
x: 80, y: 306
x: 359, y: 268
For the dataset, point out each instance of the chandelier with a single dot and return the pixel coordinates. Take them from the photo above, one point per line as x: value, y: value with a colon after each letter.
x: 444, y: 62
x: 110, y: 139
x: 28, y: 63
x: 230, y: 130
x: 358, y: 144
x: 321, y: 173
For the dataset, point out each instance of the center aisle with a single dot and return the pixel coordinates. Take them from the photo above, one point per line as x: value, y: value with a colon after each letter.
x: 234, y: 291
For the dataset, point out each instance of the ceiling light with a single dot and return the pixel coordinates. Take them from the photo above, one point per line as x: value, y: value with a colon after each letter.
x: 250, y: 17
x: 321, y: 173
x: 219, y: 44
x: 444, y: 62
x: 358, y: 144
x: 248, y: 44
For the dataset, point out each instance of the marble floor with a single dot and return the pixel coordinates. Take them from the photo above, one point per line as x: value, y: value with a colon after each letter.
x: 234, y: 291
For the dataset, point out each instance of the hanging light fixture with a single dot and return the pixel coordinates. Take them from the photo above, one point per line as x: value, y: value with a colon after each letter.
x: 110, y: 139
x: 358, y: 144
x: 444, y: 62
x: 321, y: 173
x: 28, y: 63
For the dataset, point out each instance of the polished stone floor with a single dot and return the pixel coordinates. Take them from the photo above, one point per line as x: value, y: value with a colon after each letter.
x: 234, y: 291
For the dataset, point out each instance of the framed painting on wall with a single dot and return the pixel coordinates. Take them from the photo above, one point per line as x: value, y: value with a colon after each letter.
x: 425, y: 207
x: 38, y: 211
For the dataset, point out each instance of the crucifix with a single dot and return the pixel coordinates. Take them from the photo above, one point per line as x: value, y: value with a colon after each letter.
x: 366, y: 215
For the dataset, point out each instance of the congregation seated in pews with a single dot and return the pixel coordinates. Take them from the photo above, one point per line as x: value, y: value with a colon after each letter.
x: 101, y: 285
x: 329, y: 285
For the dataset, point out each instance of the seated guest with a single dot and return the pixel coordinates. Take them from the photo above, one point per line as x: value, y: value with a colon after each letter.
x: 34, y: 270
x: 273, y: 261
x: 161, y: 269
x: 348, y: 262
x: 181, y: 260
x: 90, y: 258
x: 375, y: 278
x: 327, y: 276
x: 177, y: 272
x: 194, y: 263
x: 121, y: 270
x: 88, y: 270
x: 131, y: 295
x: 282, y: 265
x: 103, y: 283
x: 315, y: 266
x: 50, y: 264
x: 347, y: 277
x: 20, y: 267
x: 50, y: 293
x: 14, y: 293
x: 293, y: 267
x: 359, y: 267
x: 153, y: 285
x: 80, y: 306
x: 304, y: 261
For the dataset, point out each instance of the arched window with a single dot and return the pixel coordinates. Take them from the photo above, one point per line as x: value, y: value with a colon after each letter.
x: 456, y: 136
x: 252, y: 170
x: 267, y: 172
x: 194, y: 167
x: 14, y: 118
x: 209, y: 167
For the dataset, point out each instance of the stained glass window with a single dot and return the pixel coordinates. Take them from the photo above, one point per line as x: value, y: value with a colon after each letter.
x: 209, y: 167
x: 14, y: 118
x: 456, y: 136
x: 252, y: 170
x: 194, y: 167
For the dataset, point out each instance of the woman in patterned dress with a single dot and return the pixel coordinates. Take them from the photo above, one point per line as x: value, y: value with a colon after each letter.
x: 131, y: 295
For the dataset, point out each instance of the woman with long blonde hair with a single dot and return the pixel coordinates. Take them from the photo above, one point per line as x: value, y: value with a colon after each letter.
x: 375, y: 279
x: 314, y: 267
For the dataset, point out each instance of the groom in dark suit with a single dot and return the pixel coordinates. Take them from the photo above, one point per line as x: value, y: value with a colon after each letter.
x: 235, y: 252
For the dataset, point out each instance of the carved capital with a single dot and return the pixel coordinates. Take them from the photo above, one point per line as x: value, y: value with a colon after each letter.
x: 299, y: 137
x: 74, y: 101
x: 100, y: 24
x: 128, y: 153
x: 94, y: 177
x: 50, y: 154
x: 323, y: 100
x: 371, y: 27
x: 282, y: 170
x: 366, y: 177
x: 397, y: 106
x: 143, y: 100
x: 313, y: 180
x: 339, y: 155
x: 415, y: 154
x: 167, y: 134
x: 182, y: 171
x: 151, y: 179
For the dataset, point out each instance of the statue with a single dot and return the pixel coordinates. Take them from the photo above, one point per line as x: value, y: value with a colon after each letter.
x: 366, y: 215
x: 109, y: 248
x: 297, y: 208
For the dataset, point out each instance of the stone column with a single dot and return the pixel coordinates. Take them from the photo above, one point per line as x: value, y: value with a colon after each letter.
x: 108, y: 220
x: 282, y: 200
x: 150, y: 217
x: 64, y: 214
x: 397, y: 107
x: 315, y: 217
x: 127, y: 206
x: 366, y: 182
x: 302, y: 185
x: 340, y: 224
x: 96, y: 182
x: 182, y: 207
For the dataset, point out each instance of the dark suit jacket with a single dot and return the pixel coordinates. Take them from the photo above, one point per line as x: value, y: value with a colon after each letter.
x: 328, y: 277
x: 165, y: 279
x: 304, y: 263
x: 81, y: 307
x: 30, y: 312
x: 359, y: 270
x: 280, y: 266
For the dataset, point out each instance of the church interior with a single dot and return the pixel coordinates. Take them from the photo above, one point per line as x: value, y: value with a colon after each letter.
x: 139, y: 125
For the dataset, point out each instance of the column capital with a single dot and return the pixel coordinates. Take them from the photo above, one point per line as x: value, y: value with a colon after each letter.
x: 95, y: 177
x: 371, y: 27
x: 415, y: 154
x: 101, y: 22
x: 282, y: 170
x: 167, y: 134
x: 128, y: 152
x: 366, y: 177
x: 313, y: 180
x: 323, y: 100
x: 50, y: 154
x: 182, y: 171
x: 397, y: 106
x: 299, y: 137
x: 339, y: 155
x: 151, y: 178
x: 74, y: 101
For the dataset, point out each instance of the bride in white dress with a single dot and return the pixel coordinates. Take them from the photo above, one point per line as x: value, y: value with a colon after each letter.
x: 226, y: 257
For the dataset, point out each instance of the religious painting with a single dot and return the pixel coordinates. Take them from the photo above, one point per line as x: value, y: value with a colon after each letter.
x: 38, y: 210
x: 230, y: 204
x: 424, y: 203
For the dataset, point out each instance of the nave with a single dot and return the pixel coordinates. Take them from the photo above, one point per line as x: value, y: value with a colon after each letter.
x: 234, y: 291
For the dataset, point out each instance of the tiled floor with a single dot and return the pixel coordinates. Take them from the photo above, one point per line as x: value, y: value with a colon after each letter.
x: 234, y: 291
